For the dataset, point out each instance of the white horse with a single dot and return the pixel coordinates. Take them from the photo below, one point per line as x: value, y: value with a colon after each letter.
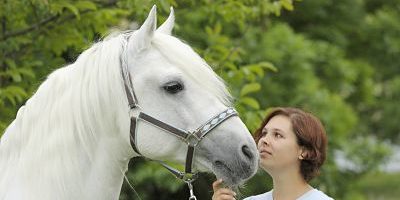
x: 71, y: 140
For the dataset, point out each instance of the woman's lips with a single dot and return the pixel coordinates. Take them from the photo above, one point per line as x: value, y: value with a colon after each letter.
x: 264, y: 151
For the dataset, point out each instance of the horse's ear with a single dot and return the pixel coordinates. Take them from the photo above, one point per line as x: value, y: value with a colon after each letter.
x: 168, y: 25
x: 142, y: 37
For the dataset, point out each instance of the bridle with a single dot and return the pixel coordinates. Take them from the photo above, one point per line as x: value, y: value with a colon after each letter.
x: 191, y: 138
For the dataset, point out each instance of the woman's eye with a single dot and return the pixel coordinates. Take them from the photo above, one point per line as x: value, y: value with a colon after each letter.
x: 263, y: 133
x: 278, y: 135
x: 173, y: 87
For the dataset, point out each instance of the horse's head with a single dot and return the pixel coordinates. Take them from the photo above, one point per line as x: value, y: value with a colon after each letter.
x: 173, y: 84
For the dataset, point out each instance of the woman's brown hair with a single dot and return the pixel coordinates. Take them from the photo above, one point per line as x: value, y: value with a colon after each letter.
x: 310, y: 134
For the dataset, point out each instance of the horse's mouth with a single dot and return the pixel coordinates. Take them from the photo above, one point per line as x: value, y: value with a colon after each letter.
x: 220, y: 165
x: 223, y: 171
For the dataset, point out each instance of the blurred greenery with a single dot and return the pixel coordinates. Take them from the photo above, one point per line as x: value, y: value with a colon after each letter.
x: 336, y: 58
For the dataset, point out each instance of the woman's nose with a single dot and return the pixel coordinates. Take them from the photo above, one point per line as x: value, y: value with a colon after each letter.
x: 265, y: 139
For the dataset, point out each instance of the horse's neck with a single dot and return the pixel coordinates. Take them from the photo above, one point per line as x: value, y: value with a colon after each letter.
x: 99, y: 177
x: 105, y: 173
x: 60, y: 150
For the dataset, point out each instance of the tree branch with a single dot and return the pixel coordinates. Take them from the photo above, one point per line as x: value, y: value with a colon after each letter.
x: 2, y: 62
x: 34, y: 10
x: 46, y: 21
x: 3, y: 25
x: 29, y: 29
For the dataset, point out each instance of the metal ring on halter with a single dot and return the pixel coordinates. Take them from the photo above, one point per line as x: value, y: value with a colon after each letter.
x: 192, y: 139
x: 136, y: 109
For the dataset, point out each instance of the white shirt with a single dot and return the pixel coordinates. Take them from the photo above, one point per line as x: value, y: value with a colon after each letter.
x: 313, y: 194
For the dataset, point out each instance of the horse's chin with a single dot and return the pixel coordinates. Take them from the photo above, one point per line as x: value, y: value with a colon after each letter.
x: 229, y: 180
x: 230, y: 177
x: 221, y: 171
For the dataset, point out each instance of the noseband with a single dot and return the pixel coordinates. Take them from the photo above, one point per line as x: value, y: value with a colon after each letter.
x: 191, y: 138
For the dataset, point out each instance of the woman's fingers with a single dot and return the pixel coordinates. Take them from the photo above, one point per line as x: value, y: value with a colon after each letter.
x: 226, y: 197
x: 217, y: 184
x: 223, y: 197
x: 225, y: 191
x: 221, y: 193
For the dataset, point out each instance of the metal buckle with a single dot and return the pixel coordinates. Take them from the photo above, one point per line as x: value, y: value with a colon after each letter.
x: 188, y: 177
x: 135, y: 110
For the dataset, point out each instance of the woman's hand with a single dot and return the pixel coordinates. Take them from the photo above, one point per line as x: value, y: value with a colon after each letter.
x: 221, y: 193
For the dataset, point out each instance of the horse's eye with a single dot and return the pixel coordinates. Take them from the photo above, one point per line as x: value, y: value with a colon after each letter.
x: 173, y: 87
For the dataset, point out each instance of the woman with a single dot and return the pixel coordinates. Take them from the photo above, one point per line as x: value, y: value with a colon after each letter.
x: 292, y: 146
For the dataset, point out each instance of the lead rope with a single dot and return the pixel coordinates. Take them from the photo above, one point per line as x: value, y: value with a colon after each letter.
x: 188, y: 178
x: 133, y: 189
x: 187, y: 181
x: 130, y: 185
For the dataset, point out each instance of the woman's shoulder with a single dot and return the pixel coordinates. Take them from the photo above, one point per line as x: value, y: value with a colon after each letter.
x: 264, y: 196
x: 315, y: 194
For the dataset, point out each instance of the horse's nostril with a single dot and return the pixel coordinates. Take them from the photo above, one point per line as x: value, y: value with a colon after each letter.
x: 246, y: 151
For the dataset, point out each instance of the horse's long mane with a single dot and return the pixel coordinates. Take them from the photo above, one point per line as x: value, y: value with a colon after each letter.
x: 62, y: 122
x: 63, y: 119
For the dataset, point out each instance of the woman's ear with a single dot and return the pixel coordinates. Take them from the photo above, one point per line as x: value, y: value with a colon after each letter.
x: 303, y: 154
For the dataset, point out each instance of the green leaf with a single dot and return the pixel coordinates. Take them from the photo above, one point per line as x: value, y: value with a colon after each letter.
x: 268, y: 65
x: 56, y: 8
x: 59, y: 8
x: 230, y: 66
x: 15, y: 76
x: 257, y: 69
x: 250, y: 102
x: 74, y: 10
x: 27, y: 72
x: 85, y: 5
x: 208, y: 30
x: 249, y: 88
x: 10, y: 63
x: 277, y: 8
x: 14, y: 94
x: 287, y: 4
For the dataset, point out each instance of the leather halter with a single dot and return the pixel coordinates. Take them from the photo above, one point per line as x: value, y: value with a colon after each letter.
x: 191, y: 138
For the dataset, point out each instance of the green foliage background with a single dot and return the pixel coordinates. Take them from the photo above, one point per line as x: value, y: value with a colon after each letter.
x: 336, y: 58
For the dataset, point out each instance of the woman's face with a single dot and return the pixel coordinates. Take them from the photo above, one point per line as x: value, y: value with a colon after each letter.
x: 278, y: 145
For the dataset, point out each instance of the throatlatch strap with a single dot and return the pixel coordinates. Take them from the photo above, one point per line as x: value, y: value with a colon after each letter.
x: 133, y: 90
x: 130, y: 92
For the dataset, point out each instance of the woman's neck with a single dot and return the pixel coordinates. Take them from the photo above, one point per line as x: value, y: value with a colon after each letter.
x: 289, y: 186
